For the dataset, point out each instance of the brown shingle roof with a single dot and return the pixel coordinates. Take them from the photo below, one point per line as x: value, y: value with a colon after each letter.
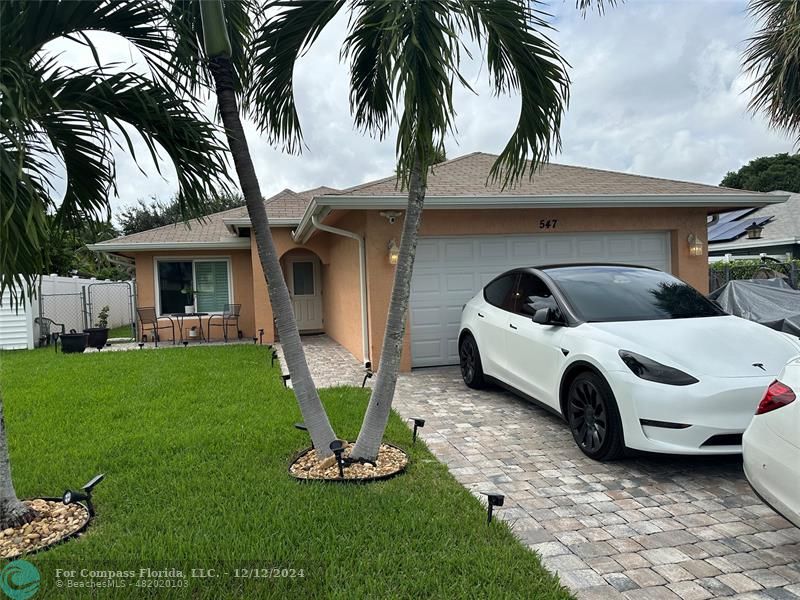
x: 286, y: 204
x: 467, y: 176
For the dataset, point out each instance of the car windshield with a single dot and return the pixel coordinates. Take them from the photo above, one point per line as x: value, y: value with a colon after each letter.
x: 609, y: 293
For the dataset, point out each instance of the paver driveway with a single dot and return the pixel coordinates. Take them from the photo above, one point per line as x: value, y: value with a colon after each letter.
x: 646, y: 527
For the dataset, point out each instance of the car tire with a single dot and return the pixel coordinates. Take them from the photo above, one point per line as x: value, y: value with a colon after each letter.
x: 593, y: 417
x: 470, y: 362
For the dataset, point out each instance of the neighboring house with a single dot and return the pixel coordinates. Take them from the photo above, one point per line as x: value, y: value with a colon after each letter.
x: 776, y: 232
x: 335, y: 247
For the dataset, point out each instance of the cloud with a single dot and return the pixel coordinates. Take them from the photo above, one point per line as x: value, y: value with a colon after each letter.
x: 657, y: 90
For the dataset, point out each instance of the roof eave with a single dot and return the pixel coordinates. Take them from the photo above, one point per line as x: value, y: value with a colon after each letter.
x: 237, y: 244
x: 273, y: 222
x: 357, y: 202
x: 758, y: 243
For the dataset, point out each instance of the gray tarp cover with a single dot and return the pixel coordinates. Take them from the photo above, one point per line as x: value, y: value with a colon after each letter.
x: 771, y: 302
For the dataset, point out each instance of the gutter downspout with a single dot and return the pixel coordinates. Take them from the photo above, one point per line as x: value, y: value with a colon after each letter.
x: 362, y: 273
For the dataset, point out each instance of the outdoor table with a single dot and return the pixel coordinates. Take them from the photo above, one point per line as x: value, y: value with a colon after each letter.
x: 179, y: 317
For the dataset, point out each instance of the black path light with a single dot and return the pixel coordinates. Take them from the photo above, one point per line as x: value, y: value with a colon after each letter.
x: 185, y: 343
x: 85, y: 495
x: 141, y: 345
x: 255, y: 340
x: 260, y: 337
x: 494, y: 500
x: 337, y: 447
x: 302, y: 427
x: 274, y: 357
x: 368, y: 374
x: 286, y: 379
x: 418, y: 424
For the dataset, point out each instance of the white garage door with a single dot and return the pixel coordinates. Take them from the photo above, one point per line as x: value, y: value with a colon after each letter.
x: 448, y: 271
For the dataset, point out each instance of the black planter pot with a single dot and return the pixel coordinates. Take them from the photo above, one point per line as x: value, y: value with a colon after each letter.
x: 98, y: 336
x: 73, y: 342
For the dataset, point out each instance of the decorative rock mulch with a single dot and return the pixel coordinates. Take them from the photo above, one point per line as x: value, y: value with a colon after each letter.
x: 55, y: 522
x: 391, y: 460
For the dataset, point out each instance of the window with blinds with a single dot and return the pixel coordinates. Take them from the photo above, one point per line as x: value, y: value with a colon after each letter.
x: 211, y: 284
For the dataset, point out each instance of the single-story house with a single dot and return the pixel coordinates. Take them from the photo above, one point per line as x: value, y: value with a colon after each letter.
x: 336, y: 245
x: 773, y: 230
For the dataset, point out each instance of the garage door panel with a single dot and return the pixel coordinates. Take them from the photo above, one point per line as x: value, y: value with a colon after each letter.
x: 448, y: 271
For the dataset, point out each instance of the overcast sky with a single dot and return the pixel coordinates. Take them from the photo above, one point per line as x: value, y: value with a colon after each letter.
x: 657, y: 90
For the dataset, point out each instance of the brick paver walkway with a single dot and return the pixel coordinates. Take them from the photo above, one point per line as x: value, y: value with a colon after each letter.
x: 641, y: 528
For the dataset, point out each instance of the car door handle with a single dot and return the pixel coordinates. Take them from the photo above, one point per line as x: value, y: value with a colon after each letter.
x: 480, y: 315
x: 512, y: 326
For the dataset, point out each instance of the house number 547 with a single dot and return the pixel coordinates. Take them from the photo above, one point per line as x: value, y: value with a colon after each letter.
x: 548, y: 223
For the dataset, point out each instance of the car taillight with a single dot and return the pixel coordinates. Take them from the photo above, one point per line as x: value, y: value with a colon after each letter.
x: 778, y: 395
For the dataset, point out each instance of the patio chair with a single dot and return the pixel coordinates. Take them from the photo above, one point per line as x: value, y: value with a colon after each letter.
x: 148, y: 317
x: 45, y: 333
x: 229, y: 316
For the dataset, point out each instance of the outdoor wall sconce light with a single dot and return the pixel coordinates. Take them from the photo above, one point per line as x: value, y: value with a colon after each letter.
x: 695, y: 245
x: 337, y: 446
x: 260, y: 337
x: 71, y: 496
x: 493, y: 500
x: 286, y: 379
x: 754, y: 231
x: 394, y: 252
x: 418, y: 423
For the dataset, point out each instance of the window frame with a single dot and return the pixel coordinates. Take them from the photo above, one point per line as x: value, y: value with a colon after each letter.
x: 193, y: 260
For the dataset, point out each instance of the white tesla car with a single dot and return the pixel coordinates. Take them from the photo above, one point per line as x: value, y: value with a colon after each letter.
x: 771, y: 445
x: 631, y: 357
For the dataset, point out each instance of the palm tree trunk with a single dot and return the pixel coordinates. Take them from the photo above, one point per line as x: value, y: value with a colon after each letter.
x: 314, y: 414
x: 380, y: 404
x: 13, y: 513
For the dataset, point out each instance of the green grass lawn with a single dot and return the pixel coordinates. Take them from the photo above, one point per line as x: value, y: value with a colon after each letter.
x: 195, y: 445
x: 123, y: 331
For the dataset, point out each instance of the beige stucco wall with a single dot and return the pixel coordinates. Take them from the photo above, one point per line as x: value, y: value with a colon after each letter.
x: 241, y: 273
x: 679, y: 222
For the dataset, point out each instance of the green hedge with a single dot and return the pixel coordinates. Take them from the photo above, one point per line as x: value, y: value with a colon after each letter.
x: 746, y: 268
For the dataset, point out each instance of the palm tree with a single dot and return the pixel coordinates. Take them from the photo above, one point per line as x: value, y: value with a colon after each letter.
x: 228, y: 82
x: 772, y: 57
x: 404, y: 58
x: 54, y: 118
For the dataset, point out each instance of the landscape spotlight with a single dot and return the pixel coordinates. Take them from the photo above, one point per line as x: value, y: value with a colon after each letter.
x: 418, y: 423
x: 85, y: 495
x: 494, y: 500
x: 337, y: 446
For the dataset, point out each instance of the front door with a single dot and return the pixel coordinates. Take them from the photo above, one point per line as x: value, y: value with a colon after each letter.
x: 304, y: 288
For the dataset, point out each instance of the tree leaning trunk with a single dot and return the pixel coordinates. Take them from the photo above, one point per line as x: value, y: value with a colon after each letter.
x: 380, y: 404
x: 13, y: 513
x: 314, y: 416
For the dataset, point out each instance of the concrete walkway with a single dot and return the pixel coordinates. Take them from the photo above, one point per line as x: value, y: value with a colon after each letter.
x: 642, y: 528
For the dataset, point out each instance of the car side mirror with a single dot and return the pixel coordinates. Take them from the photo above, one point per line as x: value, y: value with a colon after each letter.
x: 546, y: 316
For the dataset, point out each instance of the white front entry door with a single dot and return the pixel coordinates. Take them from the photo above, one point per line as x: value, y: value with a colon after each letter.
x: 303, y: 280
x: 448, y: 271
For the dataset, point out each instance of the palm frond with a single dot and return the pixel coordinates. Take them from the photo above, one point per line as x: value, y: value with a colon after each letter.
x: 600, y: 5
x: 520, y: 58
x: 772, y: 57
x: 369, y: 45
x: 288, y: 29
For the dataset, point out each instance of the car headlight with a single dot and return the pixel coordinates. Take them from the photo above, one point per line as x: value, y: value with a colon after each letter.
x: 646, y: 368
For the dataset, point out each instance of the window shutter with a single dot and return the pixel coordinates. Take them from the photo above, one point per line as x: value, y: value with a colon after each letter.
x: 212, y: 285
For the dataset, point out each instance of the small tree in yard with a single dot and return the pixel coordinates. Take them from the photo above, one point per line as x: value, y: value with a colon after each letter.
x: 51, y: 115
x: 404, y: 58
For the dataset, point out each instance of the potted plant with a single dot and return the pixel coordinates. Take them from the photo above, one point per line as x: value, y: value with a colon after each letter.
x: 73, y: 341
x: 98, y: 335
x: 189, y: 308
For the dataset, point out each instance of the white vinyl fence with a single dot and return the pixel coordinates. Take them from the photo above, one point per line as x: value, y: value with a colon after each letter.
x: 16, y: 325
